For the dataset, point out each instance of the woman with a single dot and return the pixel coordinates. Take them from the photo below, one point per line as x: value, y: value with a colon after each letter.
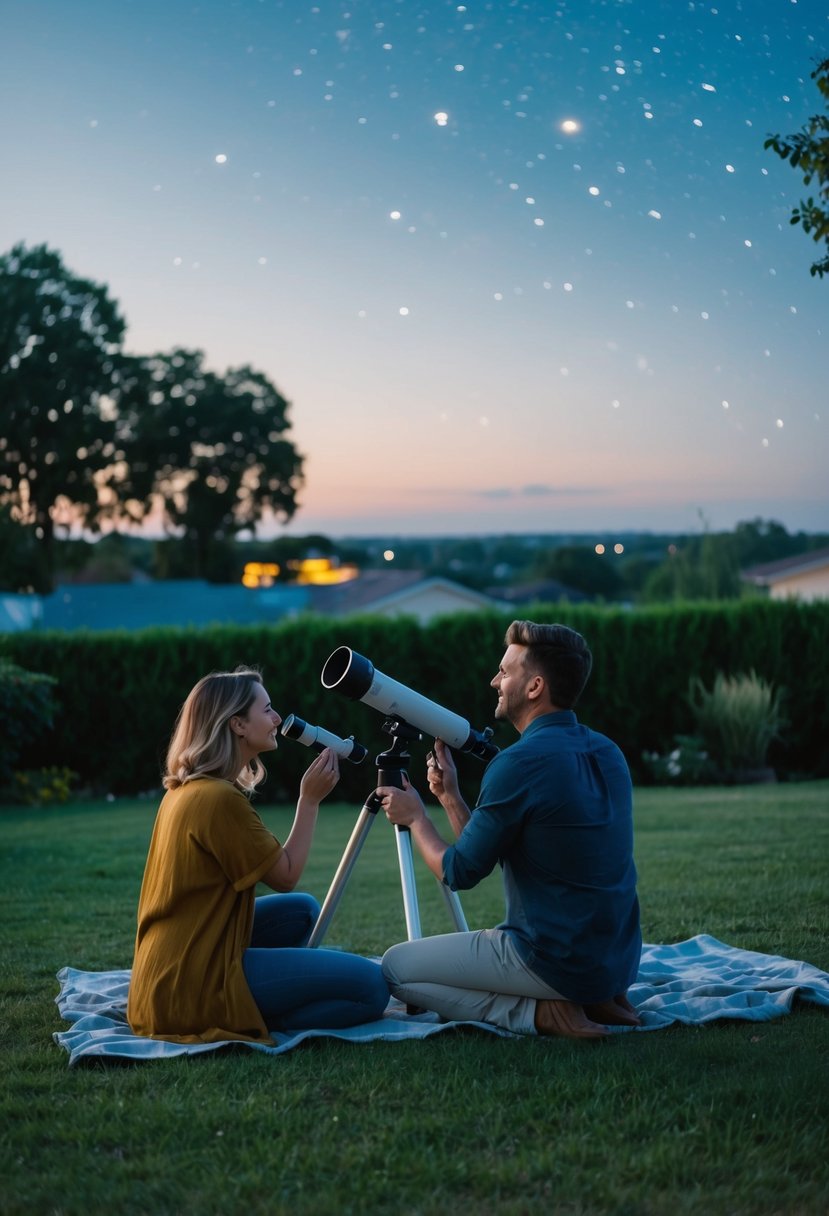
x: 212, y: 962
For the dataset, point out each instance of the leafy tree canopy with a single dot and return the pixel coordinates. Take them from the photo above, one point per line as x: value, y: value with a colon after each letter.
x: 60, y: 374
x: 208, y: 449
x: 808, y: 151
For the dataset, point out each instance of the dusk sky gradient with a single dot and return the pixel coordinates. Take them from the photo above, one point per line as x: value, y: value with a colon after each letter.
x: 484, y: 323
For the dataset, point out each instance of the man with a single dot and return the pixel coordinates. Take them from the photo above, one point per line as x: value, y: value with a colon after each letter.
x: 555, y: 811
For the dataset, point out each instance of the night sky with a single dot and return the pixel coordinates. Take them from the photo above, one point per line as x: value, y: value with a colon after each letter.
x: 516, y: 266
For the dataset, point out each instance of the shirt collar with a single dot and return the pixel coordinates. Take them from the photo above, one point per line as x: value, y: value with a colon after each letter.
x: 562, y: 717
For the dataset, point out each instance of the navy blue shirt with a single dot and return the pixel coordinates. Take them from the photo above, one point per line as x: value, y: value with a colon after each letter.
x: 555, y: 810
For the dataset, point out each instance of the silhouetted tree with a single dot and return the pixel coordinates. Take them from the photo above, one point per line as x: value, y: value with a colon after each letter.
x: 808, y: 151
x: 207, y: 449
x: 60, y: 338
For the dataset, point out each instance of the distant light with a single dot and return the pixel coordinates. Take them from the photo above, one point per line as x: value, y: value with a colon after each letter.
x: 404, y: 312
x: 394, y: 215
x: 568, y: 286
x: 570, y: 126
x: 618, y: 548
x: 725, y: 405
x: 594, y: 190
x: 765, y: 443
x: 730, y: 169
x: 458, y: 67
x: 538, y: 223
x: 600, y: 549
x: 441, y: 118
x: 779, y: 424
x: 388, y: 555
x: 655, y: 215
x: 615, y: 403
x: 710, y: 88
x: 697, y: 122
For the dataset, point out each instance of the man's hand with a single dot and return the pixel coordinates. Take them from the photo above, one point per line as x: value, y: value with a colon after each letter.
x: 443, y: 782
x: 403, y: 807
x: 442, y: 773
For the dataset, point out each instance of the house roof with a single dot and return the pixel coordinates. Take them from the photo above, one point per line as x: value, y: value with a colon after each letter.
x: 378, y: 589
x: 787, y: 567
x: 179, y: 602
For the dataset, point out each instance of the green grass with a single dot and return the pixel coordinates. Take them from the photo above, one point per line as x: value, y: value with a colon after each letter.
x: 726, y: 1119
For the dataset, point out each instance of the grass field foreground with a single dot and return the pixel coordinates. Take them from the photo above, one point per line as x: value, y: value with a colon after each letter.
x: 730, y: 1118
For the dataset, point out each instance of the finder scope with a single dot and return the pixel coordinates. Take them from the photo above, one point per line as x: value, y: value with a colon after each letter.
x: 314, y: 736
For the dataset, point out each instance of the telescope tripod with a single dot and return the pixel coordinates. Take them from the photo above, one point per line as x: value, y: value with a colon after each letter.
x: 391, y: 768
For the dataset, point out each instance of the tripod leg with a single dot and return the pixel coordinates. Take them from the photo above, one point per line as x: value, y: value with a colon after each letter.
x: 365, y: 819
x: 407, y: 882
x: 453, y: 903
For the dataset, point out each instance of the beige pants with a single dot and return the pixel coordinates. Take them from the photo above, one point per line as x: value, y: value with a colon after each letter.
x: 468, y: 977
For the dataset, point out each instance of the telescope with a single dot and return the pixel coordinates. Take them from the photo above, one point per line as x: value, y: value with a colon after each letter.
x: 356, y: 677
x: 318, y: 738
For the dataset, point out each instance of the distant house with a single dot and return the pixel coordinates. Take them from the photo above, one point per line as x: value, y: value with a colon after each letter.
x: 401, y: 593
x: 196, y: 603
x: 804, y: 577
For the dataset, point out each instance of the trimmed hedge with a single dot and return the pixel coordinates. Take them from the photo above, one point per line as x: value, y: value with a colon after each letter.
x: 119, y: 692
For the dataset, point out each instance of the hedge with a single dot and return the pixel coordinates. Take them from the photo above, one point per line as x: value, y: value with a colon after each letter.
x: 119, y: 692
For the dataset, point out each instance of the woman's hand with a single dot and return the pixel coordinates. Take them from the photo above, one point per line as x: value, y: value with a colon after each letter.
x: 320, y: 777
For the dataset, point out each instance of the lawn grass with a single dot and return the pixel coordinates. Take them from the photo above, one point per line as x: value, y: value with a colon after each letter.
x: 729, y: 1118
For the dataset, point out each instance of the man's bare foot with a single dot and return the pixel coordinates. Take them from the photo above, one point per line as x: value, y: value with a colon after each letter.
x: 616, y: 1012
x: 566, y: 1020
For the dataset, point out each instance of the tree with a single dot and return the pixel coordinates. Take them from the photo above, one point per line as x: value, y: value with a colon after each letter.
x: 581, y: 568
x: 208, y: 449
x: 808, y: 150
x: 60, y: 338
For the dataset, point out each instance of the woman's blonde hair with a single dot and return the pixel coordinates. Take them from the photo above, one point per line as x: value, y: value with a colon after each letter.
x: 202, y: 743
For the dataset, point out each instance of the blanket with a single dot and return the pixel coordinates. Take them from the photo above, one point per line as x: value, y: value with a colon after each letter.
x: 691, y: 982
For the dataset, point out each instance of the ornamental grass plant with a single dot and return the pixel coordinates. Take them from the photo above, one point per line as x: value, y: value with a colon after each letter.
x: 737, y: 719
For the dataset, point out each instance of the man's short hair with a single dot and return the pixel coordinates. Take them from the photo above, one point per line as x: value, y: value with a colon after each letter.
x: 557, y: 653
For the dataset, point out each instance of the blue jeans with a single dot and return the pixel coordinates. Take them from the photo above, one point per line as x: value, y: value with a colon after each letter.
x: 297, y: 988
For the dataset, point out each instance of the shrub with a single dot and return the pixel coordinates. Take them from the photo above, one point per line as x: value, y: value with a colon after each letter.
x: 688, y: 763
x: 44, y: 786
x: 737, y: 719
x: 27, y: 707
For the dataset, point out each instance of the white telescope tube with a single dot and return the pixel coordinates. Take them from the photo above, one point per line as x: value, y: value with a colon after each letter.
x: 355, y: 677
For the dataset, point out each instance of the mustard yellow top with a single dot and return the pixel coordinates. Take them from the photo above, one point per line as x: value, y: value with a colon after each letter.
x: 208, y: 850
